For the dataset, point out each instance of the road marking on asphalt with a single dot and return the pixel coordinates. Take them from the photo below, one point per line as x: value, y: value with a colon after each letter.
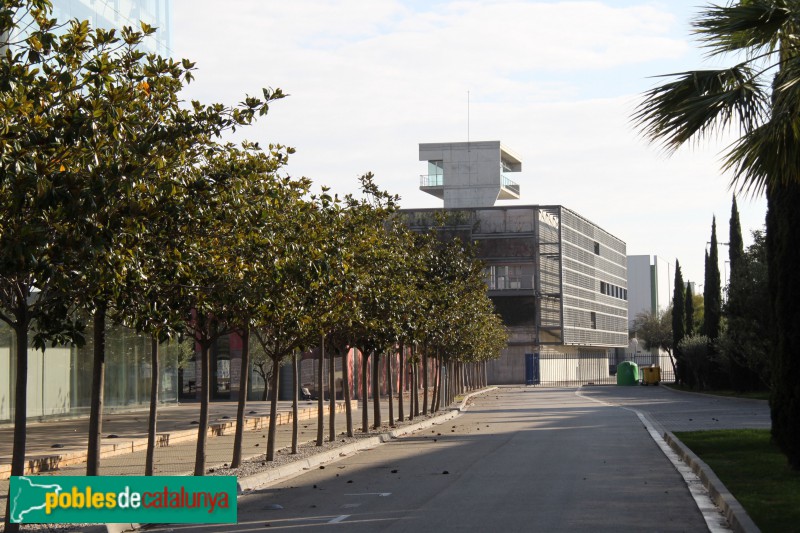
x: 715, y: 520
x: 339, y: 518
x: 379, y: 494
x: 350, y: 505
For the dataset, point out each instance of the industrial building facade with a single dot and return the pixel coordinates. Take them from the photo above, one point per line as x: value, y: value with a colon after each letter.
x: 558, y: 280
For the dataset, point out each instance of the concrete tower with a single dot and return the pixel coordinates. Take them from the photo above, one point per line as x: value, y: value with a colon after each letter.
x: 469, y: 174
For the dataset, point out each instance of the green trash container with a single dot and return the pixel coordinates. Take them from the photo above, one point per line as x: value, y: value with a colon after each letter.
x: 627, y: 373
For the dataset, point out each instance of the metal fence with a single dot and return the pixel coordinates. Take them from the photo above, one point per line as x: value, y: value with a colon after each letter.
x: 572, y: 370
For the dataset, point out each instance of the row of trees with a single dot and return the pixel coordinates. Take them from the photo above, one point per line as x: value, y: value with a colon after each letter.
x: 714, y: 343
x: 730, y: 349
x: 759, y: 95
x: 122, y: 204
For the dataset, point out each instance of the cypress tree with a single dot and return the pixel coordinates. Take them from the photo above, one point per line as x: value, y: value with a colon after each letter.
x: 735, y: 241
x: 689, y: 311
x: 678, y: 320
x: 740, y: 312
x: 712, y: 290
x: 738, y: 282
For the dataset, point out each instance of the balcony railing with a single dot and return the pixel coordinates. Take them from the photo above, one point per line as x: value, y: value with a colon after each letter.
x: 512, y: 186
x: 431, y: 180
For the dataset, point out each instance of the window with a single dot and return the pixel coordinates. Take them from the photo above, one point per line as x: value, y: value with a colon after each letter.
x: 597, y: 248
x: 435, y: 177
x: 593, y: 318
x: 509, y: 277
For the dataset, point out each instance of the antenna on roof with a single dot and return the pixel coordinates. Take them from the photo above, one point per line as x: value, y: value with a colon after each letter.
x: 467, y: 121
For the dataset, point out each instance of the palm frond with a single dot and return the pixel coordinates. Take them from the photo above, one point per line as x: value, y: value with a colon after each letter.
x: 752, y: 26
x: 786, y: 85
x: 701, y: 102
x: 767, y: 157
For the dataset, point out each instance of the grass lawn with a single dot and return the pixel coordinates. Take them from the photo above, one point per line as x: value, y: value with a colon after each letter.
x: 754, y: 471
x: 757, y: 395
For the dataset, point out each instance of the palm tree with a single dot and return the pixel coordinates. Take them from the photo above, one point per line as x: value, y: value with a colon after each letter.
x: 759, y: 95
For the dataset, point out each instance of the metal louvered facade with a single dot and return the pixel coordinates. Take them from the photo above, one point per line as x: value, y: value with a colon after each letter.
x: 593, y: 259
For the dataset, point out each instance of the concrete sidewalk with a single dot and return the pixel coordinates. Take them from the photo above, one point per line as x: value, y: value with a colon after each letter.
x: 57, y: 444
x: 174, y: 456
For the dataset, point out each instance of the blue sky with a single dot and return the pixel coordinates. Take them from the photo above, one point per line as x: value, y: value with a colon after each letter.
x: 554, y: 81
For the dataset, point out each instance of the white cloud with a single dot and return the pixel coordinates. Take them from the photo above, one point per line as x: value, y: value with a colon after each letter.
x: 369, y: 81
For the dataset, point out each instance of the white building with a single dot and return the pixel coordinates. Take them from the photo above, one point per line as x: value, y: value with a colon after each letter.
x: 649, y: 285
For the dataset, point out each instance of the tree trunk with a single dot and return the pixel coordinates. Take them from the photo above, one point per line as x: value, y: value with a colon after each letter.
x: 295, y: 395
x: 321, y: 392
x: 273, y: 408
x: 20, y: 404
x: 152, y: 419
x: 783, y: 251
x: 435, y: 395
x: 348, y: 409
x: 205, y: 396
x: 265, y: 394
x: 98, y: 383
x: 376, y: 389
x: 438, y: 403
x: 390, y: 386
x: 244, y: 378
x: 412, y: 385
x: 451, y: 383
x: 401, y: 385
x: 424, y: 379
x: 332, y: 400
x: 364, y: 377
x: 415, y: 370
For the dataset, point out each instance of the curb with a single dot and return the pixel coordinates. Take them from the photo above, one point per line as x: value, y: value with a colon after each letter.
x: 294, y: 469
x: 737, y: 516
x: 704, y: 499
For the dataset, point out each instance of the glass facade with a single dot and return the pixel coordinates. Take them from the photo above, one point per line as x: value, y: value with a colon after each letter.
x: 119, y: 13
x: 60, y: 378
x: 435, y: 177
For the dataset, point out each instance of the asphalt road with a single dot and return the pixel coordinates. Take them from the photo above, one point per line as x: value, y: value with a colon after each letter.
x: 518, y: 460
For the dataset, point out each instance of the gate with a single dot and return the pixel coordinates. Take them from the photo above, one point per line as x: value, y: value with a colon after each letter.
x: 532, y: 376
x: 552, y: 369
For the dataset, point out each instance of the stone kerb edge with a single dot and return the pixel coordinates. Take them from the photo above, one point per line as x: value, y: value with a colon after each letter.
x: 737, y: 516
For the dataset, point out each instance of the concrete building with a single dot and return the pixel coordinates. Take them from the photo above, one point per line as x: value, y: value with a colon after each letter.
x: 469, y: 174
x: 558, y: 280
